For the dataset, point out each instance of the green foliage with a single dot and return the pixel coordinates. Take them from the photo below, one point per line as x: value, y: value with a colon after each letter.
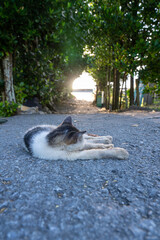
x: 152, y: 88
x: 8, y: 109
x: 47, y: 45
x: 125, y: 35
x: 21, y: 92
x: 47, y: 39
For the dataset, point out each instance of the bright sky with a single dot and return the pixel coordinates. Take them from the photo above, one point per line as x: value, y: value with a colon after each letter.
x: 85, y: 81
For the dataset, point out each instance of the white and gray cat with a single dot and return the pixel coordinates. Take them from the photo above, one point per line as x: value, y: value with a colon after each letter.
x: 66, y: 142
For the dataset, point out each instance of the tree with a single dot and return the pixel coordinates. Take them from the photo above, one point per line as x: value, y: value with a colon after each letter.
x: 132, y: 30
x: 43, y: 42
x: 18, y: 26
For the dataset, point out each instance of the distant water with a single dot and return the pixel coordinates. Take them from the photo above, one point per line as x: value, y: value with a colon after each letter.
x: 84, y: 95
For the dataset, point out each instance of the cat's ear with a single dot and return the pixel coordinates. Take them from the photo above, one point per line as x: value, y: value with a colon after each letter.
x: 67, y: 120
x: 81, y: 133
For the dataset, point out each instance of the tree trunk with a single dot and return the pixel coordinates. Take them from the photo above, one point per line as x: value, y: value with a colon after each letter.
x: 1, y: 70
x: 132, y: 91
x: 109, y: 78
x: 109, y: 88
x: 120, y: 104
x: 126, y: 99
x: 114, y: 88
x: 137, y: 92
x: 117, y: 90
x: 106, y: 92
x: 8, y: 78
x: 2, y: 79
x: 115, y: 103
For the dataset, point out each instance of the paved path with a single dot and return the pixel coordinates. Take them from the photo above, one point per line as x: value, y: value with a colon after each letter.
x: 83, y: 200
x: 74, y: 106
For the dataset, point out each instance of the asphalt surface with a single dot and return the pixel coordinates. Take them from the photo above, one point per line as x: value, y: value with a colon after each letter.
x: 83, y: 200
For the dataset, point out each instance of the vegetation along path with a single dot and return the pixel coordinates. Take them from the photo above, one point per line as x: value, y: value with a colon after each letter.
x: 104, y: 199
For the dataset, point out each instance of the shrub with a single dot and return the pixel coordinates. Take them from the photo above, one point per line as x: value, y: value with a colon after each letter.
x: 8, y: 109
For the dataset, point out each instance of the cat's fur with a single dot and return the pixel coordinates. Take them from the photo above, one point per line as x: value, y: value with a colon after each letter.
x: 66, y: 142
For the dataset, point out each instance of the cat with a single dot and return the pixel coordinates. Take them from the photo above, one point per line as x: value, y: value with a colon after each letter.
x: 66, y: 142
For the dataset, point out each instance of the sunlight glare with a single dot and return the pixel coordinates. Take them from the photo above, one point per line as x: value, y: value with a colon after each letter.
x: 85, y: 81
x: 81, y: 85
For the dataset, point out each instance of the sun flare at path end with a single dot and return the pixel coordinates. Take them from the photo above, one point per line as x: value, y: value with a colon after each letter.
x: 84, y: 87
x: 85, y: 81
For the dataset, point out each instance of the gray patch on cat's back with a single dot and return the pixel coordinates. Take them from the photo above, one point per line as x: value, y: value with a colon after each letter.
x: 31, y: 133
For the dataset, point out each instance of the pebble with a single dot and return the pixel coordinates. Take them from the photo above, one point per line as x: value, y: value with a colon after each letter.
x: 12, y: 235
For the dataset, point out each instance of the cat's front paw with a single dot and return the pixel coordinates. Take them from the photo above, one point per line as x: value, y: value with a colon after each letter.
x: 121, y: 153
x: 109, y: 146
x: 108, y: 139
x: 104, y: 146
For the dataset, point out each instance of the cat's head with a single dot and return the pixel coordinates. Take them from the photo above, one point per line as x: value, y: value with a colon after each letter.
x: 65, y: 134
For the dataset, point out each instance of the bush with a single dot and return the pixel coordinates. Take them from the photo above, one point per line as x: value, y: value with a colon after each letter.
x: 8, y: 109
x: 20, y: 91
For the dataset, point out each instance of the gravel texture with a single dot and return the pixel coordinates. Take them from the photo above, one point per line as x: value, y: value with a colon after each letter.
x: 103, y: 199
